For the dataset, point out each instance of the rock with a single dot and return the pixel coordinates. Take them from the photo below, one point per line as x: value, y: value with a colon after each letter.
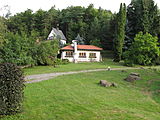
x: 132, y: 78
x: 135, y: 74
x: 107, y: 84
x: 114, y: 85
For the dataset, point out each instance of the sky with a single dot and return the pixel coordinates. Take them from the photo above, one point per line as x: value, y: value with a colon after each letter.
x: 17, y: 6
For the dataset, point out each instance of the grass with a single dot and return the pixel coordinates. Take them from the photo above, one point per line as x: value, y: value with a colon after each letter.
x: 79, y: 97
x: 72, y: 67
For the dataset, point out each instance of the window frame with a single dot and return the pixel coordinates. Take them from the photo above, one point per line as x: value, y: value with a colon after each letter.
x: 69, y: 54
x: 82, y: 55
x: 92, y: 55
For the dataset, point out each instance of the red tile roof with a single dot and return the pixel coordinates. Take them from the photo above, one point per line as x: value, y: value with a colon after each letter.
x: 82, y: 47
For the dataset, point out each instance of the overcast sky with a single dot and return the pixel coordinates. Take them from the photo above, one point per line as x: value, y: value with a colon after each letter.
x: 17, y: 6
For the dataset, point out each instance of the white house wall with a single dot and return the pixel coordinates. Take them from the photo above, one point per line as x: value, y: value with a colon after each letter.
x: 51, y: 35
x: 63, y: 42
x: 87, y: 59
x: 63, y: 56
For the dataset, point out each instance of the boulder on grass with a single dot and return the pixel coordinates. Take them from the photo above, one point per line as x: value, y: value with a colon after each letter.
x: 133, y: 77
x: 105, y: 83
x: 135, y: 74
x: 114, y: 85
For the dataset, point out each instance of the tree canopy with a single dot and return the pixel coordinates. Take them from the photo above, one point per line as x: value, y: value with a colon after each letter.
x: 120, y: 33
x: 142, y: 15
x: 144, y: 50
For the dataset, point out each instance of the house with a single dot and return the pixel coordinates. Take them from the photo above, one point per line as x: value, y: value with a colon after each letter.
x: 81, y: 53
x: 57, y: 34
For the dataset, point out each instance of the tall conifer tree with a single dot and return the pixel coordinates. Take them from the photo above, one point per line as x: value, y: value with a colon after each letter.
x: 120, y: 33
x: 142, y: 15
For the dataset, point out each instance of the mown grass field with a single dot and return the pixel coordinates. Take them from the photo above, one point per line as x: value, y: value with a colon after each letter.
x: 72, y: 67
x: 79, y: 97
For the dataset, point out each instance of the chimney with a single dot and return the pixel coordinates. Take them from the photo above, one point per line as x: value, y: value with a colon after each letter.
x: 75, y: 51
x: 75, y: 46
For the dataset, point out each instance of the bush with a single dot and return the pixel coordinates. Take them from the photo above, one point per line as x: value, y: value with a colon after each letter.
x: 158, y: 61
x: 46, y: 53
x: 65, y: 61
x: 144, y: 50
x: 16, y: 50
x: 60, y: 62
x: 11, y: 89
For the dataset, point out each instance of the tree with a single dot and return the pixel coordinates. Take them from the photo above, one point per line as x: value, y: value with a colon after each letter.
x: 94, y: 32
x: 15, y: 49
x: 21, y: 22
x: 144, y: 50
x: 120, y: 33
x: 3, y: 30
x: 46, y: 52
x: 91, y: 23
x: 142, y: 15
x: 51, y: 20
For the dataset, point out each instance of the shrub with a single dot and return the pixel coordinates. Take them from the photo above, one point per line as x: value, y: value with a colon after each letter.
x: 65, y: 61
x: 11, y: 89
x: 60, y: 62
x: 16, y: 50
x: 158, y: 61
x: 144, y: 50
x: 46, y: 53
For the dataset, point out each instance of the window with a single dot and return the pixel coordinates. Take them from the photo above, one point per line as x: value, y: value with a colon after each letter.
x: 82, y: 55
x: 92, y: 55
x: 69, y: 54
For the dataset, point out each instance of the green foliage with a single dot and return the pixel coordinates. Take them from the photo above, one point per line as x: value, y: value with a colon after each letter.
x: 60, y: 62
x: 65, y: 61
x: 96, y: 42
x: 90, y: 23
x: 120, y: 33
x: 46, y: 52
x: 144, y: 50
x: 142, y: 15
x: 11, y: 89
x: 3, y: 30
x: 96, y: 26
x: 16, y: 50
x: 23, y: 50
x: 94, y: 32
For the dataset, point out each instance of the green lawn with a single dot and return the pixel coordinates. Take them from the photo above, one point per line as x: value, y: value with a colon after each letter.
x: 72, y: 67
x: 79, y: 97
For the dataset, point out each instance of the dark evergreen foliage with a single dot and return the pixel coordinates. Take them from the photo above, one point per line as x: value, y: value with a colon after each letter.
x: 120, y: 33
x: 90, y: 23
x: 142, y: 15
x: 19, y: 33
x: 11, y: 89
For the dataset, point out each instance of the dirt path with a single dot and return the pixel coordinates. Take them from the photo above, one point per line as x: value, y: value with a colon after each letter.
x: 47, y: 76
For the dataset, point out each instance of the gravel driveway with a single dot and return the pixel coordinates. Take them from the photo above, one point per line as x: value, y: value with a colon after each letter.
x: 47, y: 76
